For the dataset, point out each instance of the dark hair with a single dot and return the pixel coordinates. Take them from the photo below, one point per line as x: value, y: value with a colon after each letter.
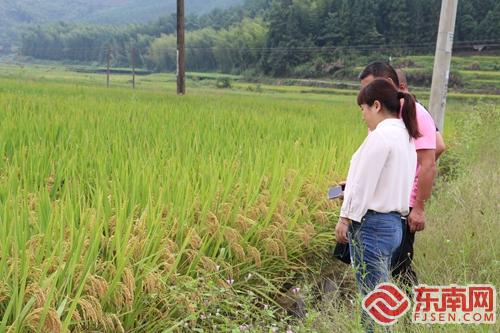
x: 380, y: 69
x: 387, y: 94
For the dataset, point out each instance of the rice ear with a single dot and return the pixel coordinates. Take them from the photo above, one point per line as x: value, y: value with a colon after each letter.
x: 96, y: 286
x: 38, y: 294
x: 194, y: 239
x: 51, y: 323
x: 212, y: 223
x: 254, y: 253
x: 91, y: 310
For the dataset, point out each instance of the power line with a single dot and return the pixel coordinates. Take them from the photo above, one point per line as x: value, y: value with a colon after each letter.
x: 104, y: 48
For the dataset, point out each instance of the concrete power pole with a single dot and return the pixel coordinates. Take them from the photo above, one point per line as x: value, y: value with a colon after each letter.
x: 181, y: 85
x: 107, y: 66
x: 442, y: 60
x: 132, y: 58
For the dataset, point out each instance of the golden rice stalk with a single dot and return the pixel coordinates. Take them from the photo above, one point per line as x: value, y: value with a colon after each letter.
x: 238, y: 251
x: 208, y: 264
x: 49, y: 182
x: 279, y: 220
x: 170, y: 245
x: 309, y: 228
x: 282, y: 207
x: 265, y: 233
x: 232, y: 235
x: 116, y: 323
x: 13, y: 264
x: 264, y: 198
x: 272, y: 231
x: 52, y: 264
x: 196, y: 209
x: 108, y: 242
x: 311, y: 192
x: 51, y: 323
x: 307, y: 189
x: 188, y: 304
x: 77, y: 319
x: 135, y: 247
x: 164, y: 213
x: 108, y: 267
x: 289, y: 178
x: 35, y: 272
x: 303, y: 211
x: 192, y: 254
x: 243, y: 223
x: 111, y: 323
x: 33, y: 244
x: 321, y: 217
x: 33, y: 218
x: 152, y: 283
x: 91, y: 216
x: 236, y: 190
x: 254, y: 253
x: 129, y: 280
x: 300, y: 202
x: 263, y: 209
x: 173, y: 228
x: 32, y: 201
x: 194, y: 239
x: 40, y: 296
x: 328, y: 205
x: 306, y: 234
x: 136, y: 212
x: 123, y: 297
x: 139, y: 229
x: 227, y: 210
x: 96, y: 286
x: 217, y: 197
x: 227, y: 269
x: 168, y: 260
x: 107, y: 324
x: 264, y: 183
x: 254, y: 213
x: 282, y: 248
x: 91, y: 310
x: 212, y: 224
x: 272, y: 247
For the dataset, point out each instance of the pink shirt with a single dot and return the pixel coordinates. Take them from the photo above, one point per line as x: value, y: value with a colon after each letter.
x: 427, y: 129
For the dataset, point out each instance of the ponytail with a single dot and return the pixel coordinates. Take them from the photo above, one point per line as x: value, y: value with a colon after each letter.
x: 409, y: 114
x: 388, y: 95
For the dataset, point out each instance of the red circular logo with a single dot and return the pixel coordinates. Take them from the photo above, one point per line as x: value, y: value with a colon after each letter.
x: 386, y: 303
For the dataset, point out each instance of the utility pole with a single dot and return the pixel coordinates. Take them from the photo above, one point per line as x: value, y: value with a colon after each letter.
x: 181, y: 84
x: 132, y: 58
x: 107, y: 70
x: 442, y: 60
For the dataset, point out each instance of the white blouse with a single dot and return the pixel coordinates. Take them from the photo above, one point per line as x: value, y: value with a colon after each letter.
x: 381, y: 172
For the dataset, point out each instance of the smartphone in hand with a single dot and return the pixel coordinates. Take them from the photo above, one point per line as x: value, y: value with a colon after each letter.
x: 335, y: 192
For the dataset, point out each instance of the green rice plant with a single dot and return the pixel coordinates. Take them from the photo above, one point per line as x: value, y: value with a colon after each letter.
x: 111, y: 198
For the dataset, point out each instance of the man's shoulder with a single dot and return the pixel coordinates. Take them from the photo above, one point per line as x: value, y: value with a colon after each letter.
x: 423, y: 116
x: 420, y: 108
x: 427, y: 129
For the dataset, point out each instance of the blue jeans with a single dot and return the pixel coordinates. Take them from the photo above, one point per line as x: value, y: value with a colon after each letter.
x: 372, y: 243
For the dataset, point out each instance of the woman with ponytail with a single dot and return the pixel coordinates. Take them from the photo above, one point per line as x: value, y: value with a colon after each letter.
x: 379, y: 183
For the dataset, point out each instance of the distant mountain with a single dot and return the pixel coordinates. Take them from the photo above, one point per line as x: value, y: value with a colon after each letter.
x: 16, y: 14
x: 138, y: 11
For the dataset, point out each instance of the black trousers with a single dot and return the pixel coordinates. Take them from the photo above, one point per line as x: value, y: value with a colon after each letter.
x: 401, y: 263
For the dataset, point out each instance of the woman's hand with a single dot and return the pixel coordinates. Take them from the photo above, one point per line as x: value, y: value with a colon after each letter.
x: 341, y: 230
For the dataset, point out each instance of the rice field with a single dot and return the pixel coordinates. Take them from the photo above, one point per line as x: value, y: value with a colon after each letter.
x: 142, y: 211
x: 112, y: 202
